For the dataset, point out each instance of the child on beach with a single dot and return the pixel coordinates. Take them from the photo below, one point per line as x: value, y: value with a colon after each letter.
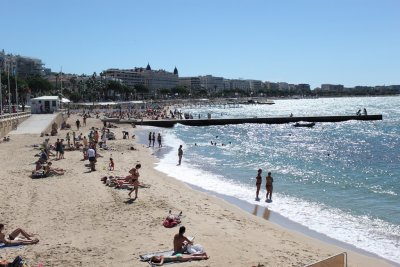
x: 111, y: 164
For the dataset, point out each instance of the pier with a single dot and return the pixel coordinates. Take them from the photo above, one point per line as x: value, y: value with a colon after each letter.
x: 267, y: 120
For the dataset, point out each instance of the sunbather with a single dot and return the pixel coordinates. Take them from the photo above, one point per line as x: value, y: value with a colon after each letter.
x: 11, y: 239
x: 160, y: 260
x: 172, y: 220
x: 48, y: 170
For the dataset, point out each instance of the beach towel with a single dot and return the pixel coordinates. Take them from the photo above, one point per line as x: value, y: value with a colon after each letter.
x: 147, y: 257
x: 37, y: 175
x: 2, y: 246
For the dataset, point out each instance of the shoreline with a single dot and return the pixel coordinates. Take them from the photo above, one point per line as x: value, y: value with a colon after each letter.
x: 260, y: 211
x: 288, y: 224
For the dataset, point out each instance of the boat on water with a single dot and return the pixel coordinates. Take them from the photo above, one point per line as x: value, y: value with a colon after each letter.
x: 302, y: 124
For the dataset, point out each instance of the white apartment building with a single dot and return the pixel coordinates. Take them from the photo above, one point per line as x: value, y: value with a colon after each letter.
x: 153, y: 79
x: 255, y: 85
x: 212, y: 84
x: 239, y: 84
x: 20, y: 65
x: 191, y: 83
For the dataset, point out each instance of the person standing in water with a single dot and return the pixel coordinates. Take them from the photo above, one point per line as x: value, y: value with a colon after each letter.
x: 180, y: 154
x: 159, y: 140
x: 258, y: 183
x: 269, y: 181
x: 150, y: 139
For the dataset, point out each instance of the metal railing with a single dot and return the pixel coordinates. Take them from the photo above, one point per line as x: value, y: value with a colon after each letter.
x: 14, y: 115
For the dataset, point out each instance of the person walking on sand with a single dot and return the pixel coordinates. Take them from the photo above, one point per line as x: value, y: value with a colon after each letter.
x: 78, y: 123
x: 258, y: 183
x: 180, y: 154
x: 91, y: 152
x: 135, y: 180
x: 269, y: 186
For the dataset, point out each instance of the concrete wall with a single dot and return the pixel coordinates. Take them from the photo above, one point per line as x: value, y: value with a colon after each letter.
x: 11, y: 121
x: 58, y: 119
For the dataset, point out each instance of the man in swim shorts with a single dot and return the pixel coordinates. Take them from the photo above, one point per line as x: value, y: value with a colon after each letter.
x: 181, y: 241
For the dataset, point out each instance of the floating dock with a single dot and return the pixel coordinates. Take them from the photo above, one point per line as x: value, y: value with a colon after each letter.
x: 268, y: 120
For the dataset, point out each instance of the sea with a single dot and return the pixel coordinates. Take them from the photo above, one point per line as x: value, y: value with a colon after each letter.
x: 341, y: 180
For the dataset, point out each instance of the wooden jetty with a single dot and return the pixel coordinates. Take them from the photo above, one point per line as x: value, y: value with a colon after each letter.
x: 268, y: 120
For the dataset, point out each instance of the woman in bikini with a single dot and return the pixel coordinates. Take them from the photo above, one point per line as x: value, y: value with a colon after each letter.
x: 10, y: 240
x: 135, y: 180
x: 160, y: 260
x: 258, y: 183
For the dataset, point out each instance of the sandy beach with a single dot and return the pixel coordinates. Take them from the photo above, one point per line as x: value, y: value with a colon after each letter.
x: 82, y: 222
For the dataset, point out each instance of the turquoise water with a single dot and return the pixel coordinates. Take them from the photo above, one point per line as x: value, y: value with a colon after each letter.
x: 339, y: 179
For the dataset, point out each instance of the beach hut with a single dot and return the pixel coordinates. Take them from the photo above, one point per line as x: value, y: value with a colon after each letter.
x: 47, y: 104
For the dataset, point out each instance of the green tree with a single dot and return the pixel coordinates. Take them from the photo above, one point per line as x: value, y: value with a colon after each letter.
x: 141, y: 89
x: 39, y: 86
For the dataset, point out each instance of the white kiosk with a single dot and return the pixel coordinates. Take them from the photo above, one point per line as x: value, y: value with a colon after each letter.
x: 47, y: 104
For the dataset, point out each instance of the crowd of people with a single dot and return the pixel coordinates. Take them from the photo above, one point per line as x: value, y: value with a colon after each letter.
x: 89, y: 144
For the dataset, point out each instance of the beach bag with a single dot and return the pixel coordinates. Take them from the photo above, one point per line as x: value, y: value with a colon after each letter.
x: 197, y: 248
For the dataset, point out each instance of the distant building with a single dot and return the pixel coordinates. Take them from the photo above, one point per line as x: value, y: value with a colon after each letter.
x: 153, y: 79
x: 191, y: 83
x: 212, y: 84
x: 239, y: 84
x: 20, y: 65
x: 255, y: 85
x: 332, y: 88
x: 271, y: 86
x: 283, y: 86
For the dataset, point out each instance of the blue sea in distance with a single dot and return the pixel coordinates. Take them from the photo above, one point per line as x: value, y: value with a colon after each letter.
x: 339, y: 179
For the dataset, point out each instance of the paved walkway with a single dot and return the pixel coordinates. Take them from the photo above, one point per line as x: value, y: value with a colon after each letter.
x: 35, y: 124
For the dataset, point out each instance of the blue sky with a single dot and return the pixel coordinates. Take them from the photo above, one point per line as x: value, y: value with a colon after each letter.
x: 351, y: 42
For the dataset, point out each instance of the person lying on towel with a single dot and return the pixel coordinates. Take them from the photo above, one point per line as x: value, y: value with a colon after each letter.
x: 11, y: 239
x: 160, y: 260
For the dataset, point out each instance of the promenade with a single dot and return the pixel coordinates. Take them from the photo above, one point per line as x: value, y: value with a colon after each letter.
x: 35, y: 124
